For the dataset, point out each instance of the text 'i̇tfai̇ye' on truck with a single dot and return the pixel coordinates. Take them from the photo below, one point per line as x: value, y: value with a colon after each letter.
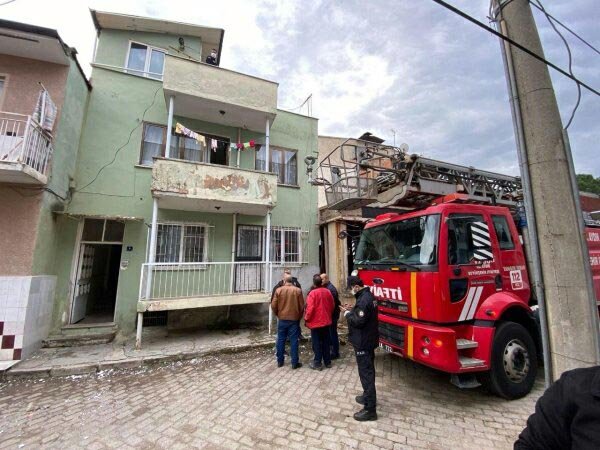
x: 449, y: 270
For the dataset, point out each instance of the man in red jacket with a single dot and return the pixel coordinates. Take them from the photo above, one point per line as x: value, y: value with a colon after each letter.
x: 319, y: 309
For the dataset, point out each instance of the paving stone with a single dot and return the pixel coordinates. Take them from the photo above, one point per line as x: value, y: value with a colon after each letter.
x: 243, y: 400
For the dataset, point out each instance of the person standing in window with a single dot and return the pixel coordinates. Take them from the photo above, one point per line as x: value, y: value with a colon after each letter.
x: 319, y: 309
x: 212, y: 58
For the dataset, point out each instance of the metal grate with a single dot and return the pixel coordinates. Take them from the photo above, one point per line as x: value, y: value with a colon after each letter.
x: 392, y: 334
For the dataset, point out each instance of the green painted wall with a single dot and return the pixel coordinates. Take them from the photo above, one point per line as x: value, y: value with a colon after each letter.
x: 109, y: 156
x: 113, y: 45
x: 64, y: 158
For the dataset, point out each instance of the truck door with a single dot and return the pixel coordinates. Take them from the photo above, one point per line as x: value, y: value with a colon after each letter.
x: 513, y: 273
x: 471, y: 268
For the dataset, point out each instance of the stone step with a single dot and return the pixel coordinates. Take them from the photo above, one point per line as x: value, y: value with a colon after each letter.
x: 463, y: 344
x: 72, y: 340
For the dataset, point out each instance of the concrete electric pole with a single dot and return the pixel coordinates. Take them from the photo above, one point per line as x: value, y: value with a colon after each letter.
x: 546, y: 165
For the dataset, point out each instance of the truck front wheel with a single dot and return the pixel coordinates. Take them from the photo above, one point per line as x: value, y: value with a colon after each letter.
x: 513, y: 363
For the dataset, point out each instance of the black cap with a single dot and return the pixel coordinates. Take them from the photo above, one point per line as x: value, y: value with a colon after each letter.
x: 355, y: 281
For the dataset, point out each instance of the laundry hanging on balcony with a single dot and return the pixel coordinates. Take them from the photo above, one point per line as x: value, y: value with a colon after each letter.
x: 241, y: 146
x: 180, y: 129
x: 45, y: 111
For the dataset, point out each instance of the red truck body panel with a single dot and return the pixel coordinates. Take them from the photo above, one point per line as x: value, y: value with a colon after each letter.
x: 593, y: 242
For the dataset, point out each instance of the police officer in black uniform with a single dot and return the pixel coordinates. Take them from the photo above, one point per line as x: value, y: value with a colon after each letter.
x: 363, y: 334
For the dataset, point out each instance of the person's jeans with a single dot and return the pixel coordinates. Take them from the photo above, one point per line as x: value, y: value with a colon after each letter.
x: 334, y: 339
x: 285, y: 329
x: 320, y: 345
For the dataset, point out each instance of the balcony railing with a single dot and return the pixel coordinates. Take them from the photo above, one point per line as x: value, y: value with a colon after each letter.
x: 23, y: 140
x: 170, y: 281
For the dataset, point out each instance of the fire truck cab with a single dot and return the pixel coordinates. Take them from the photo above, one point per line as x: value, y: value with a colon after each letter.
x: 453, y: 292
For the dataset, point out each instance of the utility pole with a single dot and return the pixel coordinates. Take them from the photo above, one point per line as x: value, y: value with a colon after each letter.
x: 568, y: 304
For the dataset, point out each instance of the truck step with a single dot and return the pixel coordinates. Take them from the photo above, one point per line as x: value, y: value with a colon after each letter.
x: 465, y: 381
x: 462, y: 344
x: 466, y: 362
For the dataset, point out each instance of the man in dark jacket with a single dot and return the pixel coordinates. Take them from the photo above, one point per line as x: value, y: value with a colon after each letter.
x: 333, y: 332
x: 363, y: 334
x: 567, y: 415
x: 212, y: 58
x: 280, y: 283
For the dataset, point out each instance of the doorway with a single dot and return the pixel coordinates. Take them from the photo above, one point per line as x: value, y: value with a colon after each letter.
x: 97, y: 273
x: 249, y: 248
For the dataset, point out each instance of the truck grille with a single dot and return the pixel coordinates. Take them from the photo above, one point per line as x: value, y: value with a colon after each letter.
x: 392, y: 334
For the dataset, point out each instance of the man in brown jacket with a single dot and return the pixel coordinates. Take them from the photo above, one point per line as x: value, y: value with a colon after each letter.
x: 288, y: 306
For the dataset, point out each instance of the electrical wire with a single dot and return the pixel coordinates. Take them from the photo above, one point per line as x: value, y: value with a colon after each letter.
x: 513, y: 43
x: 541, y: 7
x: 7, y: 2
x: 565, y: 27
x: 125, y: 144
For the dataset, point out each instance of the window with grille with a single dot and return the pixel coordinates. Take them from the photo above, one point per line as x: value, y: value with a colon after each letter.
x: 284, y: 163
x: 286, y: 245
x: 181, y: 243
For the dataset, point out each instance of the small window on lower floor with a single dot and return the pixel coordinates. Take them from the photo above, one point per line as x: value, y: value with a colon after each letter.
x: 286, y: 245
x: 181, y: 243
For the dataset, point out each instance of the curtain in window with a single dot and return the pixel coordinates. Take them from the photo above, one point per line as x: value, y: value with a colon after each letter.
x: 153, y: 143
x: 291, y: 168
x: 137, y: 59
x: 168, y: 243
x: 193, y: 243
x: 192, y: 149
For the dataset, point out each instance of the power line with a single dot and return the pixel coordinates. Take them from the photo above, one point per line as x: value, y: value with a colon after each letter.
x: 514, y: 43
x: 125, y: 144
x: 541, y: 7
x: 7, y: 2
x: 565, y: 27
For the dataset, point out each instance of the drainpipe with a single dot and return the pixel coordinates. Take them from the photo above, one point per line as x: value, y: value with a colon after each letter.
x: 233, y: 229
x: 267, y: 263
x: 169, y: 127
x: 528, y: 198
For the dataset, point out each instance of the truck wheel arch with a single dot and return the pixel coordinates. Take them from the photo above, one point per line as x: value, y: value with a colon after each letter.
x: 507, y: 307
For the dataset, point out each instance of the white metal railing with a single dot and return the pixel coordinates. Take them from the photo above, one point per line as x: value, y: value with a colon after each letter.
x: 23, y: 140
x: 164, y: 281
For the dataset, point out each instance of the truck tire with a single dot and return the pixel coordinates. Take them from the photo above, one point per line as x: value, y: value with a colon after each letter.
x: 513, y: 362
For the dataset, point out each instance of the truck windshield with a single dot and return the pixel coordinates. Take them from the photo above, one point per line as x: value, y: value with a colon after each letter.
x: 412, y: 241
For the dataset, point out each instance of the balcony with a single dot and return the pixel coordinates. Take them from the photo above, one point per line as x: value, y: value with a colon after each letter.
x: 193, y: 186
x: 216, y: 95
x: 25, y: 150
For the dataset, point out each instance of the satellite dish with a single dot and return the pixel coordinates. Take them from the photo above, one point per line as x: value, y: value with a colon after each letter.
x: 404, y: 147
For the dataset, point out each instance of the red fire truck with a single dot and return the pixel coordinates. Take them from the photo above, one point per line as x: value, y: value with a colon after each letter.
x: 450, y: 275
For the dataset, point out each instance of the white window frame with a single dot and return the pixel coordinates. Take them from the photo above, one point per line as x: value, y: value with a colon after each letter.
x: 182, y: 225
x: 4, y: 77
x: 146, y: 73
x: 299, y: 250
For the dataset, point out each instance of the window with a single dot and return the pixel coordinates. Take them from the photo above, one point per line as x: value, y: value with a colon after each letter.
x: 286, y: 245
x: 146, y: 61
x: 153, y: 143
x: 411, y: 241
x: 102, y: 230
x: 284, y: 163
x: 181, y: 243
x: 460, y: 243
x: 503, y: 233
x: 249, y: 243
x: 182, y: 147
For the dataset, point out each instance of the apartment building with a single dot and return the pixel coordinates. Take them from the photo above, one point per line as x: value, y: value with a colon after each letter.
x: 43, y: 95
x: 190, y: 194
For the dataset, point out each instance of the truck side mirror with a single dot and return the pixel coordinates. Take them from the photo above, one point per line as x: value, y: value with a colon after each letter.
x: 481, y: 241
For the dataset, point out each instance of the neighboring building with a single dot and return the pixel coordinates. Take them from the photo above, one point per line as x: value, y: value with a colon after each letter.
x: 43, y: 94
x: 167, y: 221
x: 340, y: 230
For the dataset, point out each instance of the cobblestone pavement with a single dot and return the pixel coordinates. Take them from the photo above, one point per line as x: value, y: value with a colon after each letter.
x: 245, y: 401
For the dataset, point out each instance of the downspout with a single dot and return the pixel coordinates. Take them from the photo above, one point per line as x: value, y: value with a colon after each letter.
x: 232, y: 274
x: 528, y: 198
x: 239, y: 139
x: 169, y: 127
x: 268, y: 271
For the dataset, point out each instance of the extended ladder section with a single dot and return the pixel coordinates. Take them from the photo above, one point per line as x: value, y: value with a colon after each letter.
x: 360, y: 173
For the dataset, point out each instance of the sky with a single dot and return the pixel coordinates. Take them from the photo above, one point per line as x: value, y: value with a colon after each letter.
x: 408, y: 71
